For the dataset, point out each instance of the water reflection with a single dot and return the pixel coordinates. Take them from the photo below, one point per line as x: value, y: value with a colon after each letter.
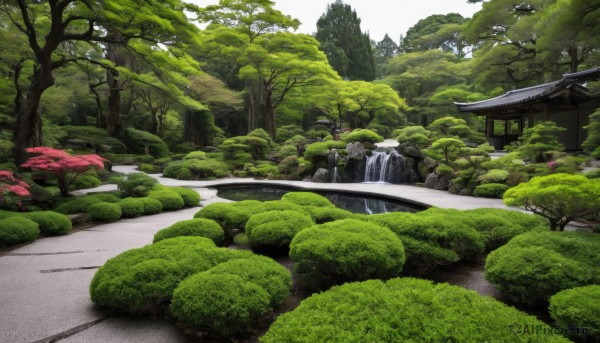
x: 356, y: 203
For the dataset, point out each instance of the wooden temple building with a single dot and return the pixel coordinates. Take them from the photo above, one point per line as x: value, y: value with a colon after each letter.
x: 567, y: 102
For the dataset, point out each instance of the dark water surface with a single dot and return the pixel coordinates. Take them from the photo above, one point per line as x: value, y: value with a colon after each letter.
x: 352, y: 202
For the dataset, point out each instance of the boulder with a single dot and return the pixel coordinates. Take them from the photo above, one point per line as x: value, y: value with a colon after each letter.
x: 356, y: 151
x: 321, y: 176
x: 435, y: 181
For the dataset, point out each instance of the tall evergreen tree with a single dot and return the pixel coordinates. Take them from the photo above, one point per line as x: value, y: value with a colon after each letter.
x: 384, y: 51
x: 348, y: 49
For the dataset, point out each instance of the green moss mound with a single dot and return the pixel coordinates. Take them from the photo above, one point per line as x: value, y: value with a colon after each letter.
x: 17, y: 230
x: 307, y: 199
x: 226, y: 214
x: 170, y: 200
x: 136, y: 185
x: 151, y: 206
x: 106, y: 197
x: 105, y: 212
x: 328, y: 214
x: 190, y: 197
x: 86, y: 182
x: 275, y: 229
x: 49, y: 222
x: 363, y: 135
x: 490, y: 190
x: 131, y: 207
x: 576, y: 312
x: 77, y: 205
x: 347, y: 250
x: 534, y: 266
x: 403, y: 310
x: 194, y: 227
x: 142, y: 142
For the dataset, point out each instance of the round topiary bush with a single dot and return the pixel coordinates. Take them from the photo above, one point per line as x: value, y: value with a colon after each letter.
x: 190, y: 197
x: 131, y: 207
x: 16, y: 230
x: 363, y: 135
x: 228, y: 216
x: 405, y: 310
x: 86, y: 182
x: 280, y: 205
x: 198, y: 155
x: 194, y: 227
x: 307, y: 199
x: 576, y: 312
x: 136, y: 185
x: 49, y: 222
x: 106, y: 197
x: 490, y: 190
x: 328, y: 214
x: 275, y: 229
x: 77, y: 205
x: 222, y: 304
x: 170, y: 200
x: 105, y: 212
x: 534, y: 266
x: 347, y: 250
x: 151, y: 206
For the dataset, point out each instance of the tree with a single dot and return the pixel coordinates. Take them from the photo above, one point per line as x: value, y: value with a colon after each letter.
x: 346, y: 46
x: 540, y: 142
x: 383, y: 52
x: 366, y: 101
x: 591, y: 145
x: 12, y: 187
x: 66, y: 168
x: 446, y: 148
x: 438, y: 31
x: 560, y: 198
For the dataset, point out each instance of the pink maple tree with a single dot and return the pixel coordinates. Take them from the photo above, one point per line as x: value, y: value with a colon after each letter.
x: 65, y: 167
x: 12, y: 190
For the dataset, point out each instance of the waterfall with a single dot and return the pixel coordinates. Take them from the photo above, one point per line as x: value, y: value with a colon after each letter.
x: 332, y: 160
x: 390, y: 167
x: 377, y: 168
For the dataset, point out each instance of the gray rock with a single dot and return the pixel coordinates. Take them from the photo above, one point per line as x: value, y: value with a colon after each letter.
x: 411, y: 151
x: 321, y: 176
x: 430, y: 163
x: 356, y: 151
x: 434, y: 181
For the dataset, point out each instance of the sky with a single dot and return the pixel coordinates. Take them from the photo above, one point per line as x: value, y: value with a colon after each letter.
x: 379, y: 17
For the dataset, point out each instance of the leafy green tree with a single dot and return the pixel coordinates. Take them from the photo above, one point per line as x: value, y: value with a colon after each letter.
x: 540, y: 142
x: 346, y: 46
x: 438, y: 31
x: 383, y: 52
x: 560, y: 198
x: 366, y: 101
x: 591, y: 145
x: 446, y: 149
x: 417, y: 135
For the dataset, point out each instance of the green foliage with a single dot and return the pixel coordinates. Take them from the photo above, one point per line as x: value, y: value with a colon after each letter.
x: 288, y: 132
x: 402, y: 310
x: 363, y: 136
x: 241, y: 240
x: 577, y: 307
x: 136, y: 185
x: 227, y: 215
x: 327, y: 214
x: 347, y: 250
x: 49, y: 222
x: 16, y: 230
x: 321, y: 149
x: 194, y: 169
x: 106, y: 197
x: 275, y: 229
x: 287, y: 150
x: 77, y: 205
x: 416, y: 135
x: 307, y: 199
x: 591, y: 145
x: 494, y: 176
x: 540, y: 142
x: 198, y: 155
x: 288, y: 165
x: 105, y: 212
x: 131, y: 207
x: 148, y: 168
x: 450, y: 127
x: 190, y: 197
x: 85, y: 182
x: 536, y: 265
x: 94, y: 137
x: 170, y: 200
x: 194, y: 227
x: 151, y: 206
x: 224, y: 304
x: 143, y: 142
x: 491, y: 190
x: 446, y: 149
x: 558, y: 197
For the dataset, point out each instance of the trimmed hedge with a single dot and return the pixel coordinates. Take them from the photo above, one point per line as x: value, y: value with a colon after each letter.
x: 131, y: 207
x: 106, y: 197
x: 404, y: 310
x: 576, y: 312
x: 105, y: 212
x: 16, y: 230
x: 347, y: 250
x: 151, y: 206
x: 328, y: 214
x: 136, y: 185
x: 199, y: 155
x: 86, y: 182
x: 194, y: 227
x: 77, y: 205
x: 275, y: 229
x: 307, y: 199
x: 281, y: 205
x: 224, y: 213
x: 490, y: 190
x: 534, y: 266
x: 190, y: 197
x: 170, y: 200
x: 363, y: 135
x: 49, y: 222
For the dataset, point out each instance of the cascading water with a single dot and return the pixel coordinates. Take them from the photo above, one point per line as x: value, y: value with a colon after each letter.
x: 377, y: 167
x: 388, y: 167
x: 332, y: 160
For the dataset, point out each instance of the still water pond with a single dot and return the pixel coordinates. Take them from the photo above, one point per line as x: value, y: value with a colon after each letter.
x: 353, y: 202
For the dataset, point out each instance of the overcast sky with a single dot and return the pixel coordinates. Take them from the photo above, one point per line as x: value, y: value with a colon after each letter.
x: 379, y: 17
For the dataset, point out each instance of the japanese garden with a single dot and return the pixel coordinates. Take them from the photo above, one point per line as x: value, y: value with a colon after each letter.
x: 172, y: 171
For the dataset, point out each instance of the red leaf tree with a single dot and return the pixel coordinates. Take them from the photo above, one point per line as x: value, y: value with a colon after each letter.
x: 12, y: 190
x: 67, y: 168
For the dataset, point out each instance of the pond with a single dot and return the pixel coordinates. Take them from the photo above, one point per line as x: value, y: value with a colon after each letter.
x: 353, y: 202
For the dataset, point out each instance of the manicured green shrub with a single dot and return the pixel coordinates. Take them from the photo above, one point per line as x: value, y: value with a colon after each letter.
x: 347, y: 250
x: 288, y: 165
x: 115, y: 180
x: 106, y: 197
x: 494, y: 176
x: 405, y: 310
x: 536, y: 265
x: 307, y: 199
x: 491, y: 190
x: 263, y: 271
x: 194, y: 227
x: 172, y: 169
x: 198, y: 155
x: 136, y: 185
x: 190, y: 197
x: 541, y: 142
x: 287, y: 151
x: 85, y: 182
x: 77, y: 205
x: 16, y: 230
x: 131, y: 207
x: 151, y: 206
x: 227, y: 215
x: 105, y: 212
x: 576, y: 312
x: 275, y: 229
x: 49, y: 222
x: 363, y: 135
x: 251, y: 206
x: 287, y: 132
x: 222, y: 304
x: 416, y: 135
x: 148, y: 168
x: 281, y: 205
x: 321, y: 149
x: 241, y: 240
x: 170, y: 200
x: 328, y: 214
x: 143, y: 142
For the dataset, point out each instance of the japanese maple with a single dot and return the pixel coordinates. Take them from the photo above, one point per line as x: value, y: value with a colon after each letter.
x: 65, y: 167
x: 12, y: 189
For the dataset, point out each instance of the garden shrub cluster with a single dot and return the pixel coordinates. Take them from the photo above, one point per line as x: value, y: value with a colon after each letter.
x: 576, y: 310
x: 535, y: 265
x: 136, y: 185
x: 307, y: 199
x: 143, y: 142
x: 490, y: 190
x: 226, y: 214
x: 275, y: 229
x: 190, y: 197
x: 170, y: 200
x: 346, y: 250
x: 131, y: 207
x: 363, y: 135
x: 77, y: 205
x: 105, y: 212
x: 194, y: 227
x: 49, y: 222
x: 328, y: 214
x: 402, y: 310
x: 17, y: 230
x: 195, y: 169
x: 151, y: 206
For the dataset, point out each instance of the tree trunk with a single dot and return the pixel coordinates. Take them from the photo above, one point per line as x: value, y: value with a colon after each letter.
x: 352, y: 120
x: 114, y: 103
x: 269, y: 114
x: 251, y: 110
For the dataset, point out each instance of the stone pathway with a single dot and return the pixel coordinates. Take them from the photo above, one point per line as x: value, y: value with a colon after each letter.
x: 44, y: 285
